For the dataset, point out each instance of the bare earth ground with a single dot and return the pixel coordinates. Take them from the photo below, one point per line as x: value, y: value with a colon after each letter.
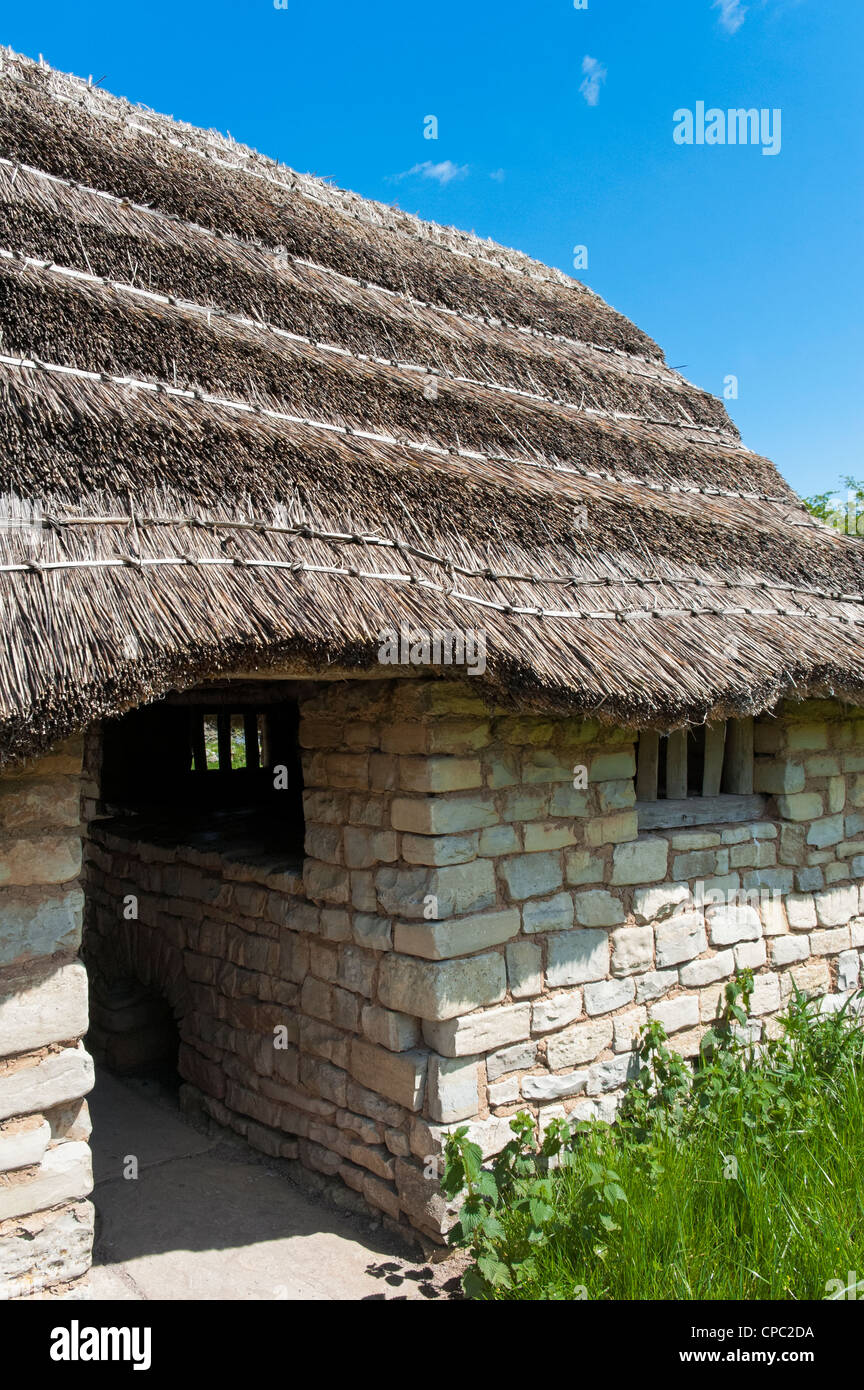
x: 208, y: 1218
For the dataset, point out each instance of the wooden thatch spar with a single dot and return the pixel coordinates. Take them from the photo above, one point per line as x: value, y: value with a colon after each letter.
x: 250, y: 419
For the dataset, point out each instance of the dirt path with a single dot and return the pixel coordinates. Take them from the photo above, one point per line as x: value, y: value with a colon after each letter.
x: 207, y: 1218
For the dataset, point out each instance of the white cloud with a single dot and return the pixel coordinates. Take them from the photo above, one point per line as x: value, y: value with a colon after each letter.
x: 595, y: 74
x: 444, y: 172
x: 498, y: 175
x: 732, y: 13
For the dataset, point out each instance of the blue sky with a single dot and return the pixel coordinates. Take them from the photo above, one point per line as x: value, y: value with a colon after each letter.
x: 555, y: 130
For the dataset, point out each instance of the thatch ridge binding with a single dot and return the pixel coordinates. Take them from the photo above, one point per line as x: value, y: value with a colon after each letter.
x: 280, y: 254
x: 506, y: 258
x: 372, y: 436
x: 190, y: 306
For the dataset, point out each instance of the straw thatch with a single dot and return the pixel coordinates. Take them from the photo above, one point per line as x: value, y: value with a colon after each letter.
x: 248, y: 419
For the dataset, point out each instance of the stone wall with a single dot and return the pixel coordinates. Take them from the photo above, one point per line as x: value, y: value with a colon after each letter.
x: 473, y: 934
x: 46, y: 1223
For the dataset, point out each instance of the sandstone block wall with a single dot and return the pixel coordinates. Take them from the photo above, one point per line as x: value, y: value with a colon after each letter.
x: 472, y: 934
x: 46, y: 1223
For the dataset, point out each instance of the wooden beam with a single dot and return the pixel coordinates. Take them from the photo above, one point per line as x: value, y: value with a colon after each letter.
x: 715, y: 745
x: 647, y: 761
x: 699, y: 810
x: 738, y: 763
x: 676, y: 765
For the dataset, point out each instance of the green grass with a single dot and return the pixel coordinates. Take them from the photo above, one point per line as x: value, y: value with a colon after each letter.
x: 743, y: 1182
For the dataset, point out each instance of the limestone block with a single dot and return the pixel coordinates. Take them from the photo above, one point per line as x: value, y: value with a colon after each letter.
x: 421, y: 1199
x: 498, y: 840
x: 545, y: 765
x: 399, y: 1076
x: 49, y: 1009
x: 736, y: 922
x: 532, y: 875
x: 443, y: 849
x: 39, y: 922
x: 441, y: 989
x: 777, y: 776
x: 597, y: 908
x: 545, y: 1087
x: 652, y: 904
x: 831, y: 942
x: 519, y: 1057
x: 810, y: 736
x: 575, y: 957
x: 507, y: 1092
x: 848, y: 970
x: 46, y: 1248
x: 627, y: 1028
x: 696, y: 864
x: 801, y: 911
x: 481, y: 1032
x: 327, y: 883
x: 709, y: 969
x: 439, y: 774
x: 642, y: 861
x: 828, y: 831
x: 373, y: 932
x: 443, y: 815
x: 581, y: 1043
x: 680, y: 939
x: 365, y: 847
x: 785, y: 950
x: 836, y: 906
x: 581, y: 867
x: 456, y: 888
x: 612, y: 829
x: 23, y: 1142
x: 64, y: 1174
x: 456, y: 937
x: 568, y: 801
x: 612, y: 767
x: 525, y: 804
x: 749, y: 955
x: 457, y: 736
x: 323, y: 842
x: 616, y: 796
x: 453, y: 1088
x: 503, y: 769
x: 548, y: 914
x: 675, y: 1014
x: 548, y: 835
x: 524, y: 969
x: 800, y: 806
x: 632, y: 950
x: 395, y: 1031
x: 609, y: 1075
x: 39, y: 859
x: 811, y: 978
x: 39, y: 804
x: 836, y: 794
x: 556, y: 1011
x: 606, y: 995
x: 654, y: 984
x: 35, y: 1084
x: 766, y: 994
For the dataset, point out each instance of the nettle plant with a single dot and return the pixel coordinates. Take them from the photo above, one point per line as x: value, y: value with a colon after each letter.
x: 564, y: 1190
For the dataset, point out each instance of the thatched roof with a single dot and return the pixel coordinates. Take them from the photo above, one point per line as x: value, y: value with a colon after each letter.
x: 248, y: 418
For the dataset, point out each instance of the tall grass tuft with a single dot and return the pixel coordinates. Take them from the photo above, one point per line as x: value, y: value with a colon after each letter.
x: 741, y: 1178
